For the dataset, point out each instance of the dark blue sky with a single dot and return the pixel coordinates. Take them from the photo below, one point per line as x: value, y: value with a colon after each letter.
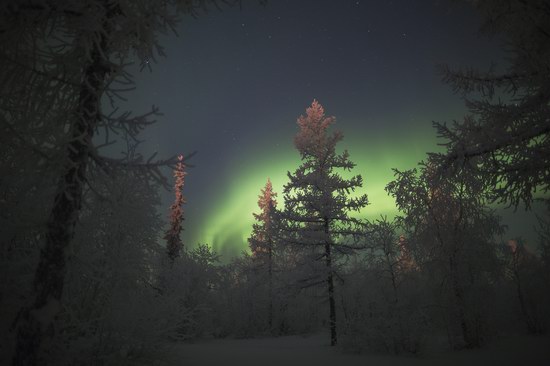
x: 234, y: 82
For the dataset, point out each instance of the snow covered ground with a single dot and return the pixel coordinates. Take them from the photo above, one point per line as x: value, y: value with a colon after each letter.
x: 314, y: 350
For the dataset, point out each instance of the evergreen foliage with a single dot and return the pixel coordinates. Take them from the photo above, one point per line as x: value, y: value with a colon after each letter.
x: 318, y: 203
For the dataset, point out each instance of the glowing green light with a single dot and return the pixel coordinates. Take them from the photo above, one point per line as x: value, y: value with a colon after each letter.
x: 234, y: 220
x: 229, y: 224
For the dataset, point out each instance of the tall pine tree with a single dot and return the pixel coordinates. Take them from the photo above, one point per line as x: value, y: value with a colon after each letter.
x: 174, y: 244
x: 262, y: 240
x: 318, y: 200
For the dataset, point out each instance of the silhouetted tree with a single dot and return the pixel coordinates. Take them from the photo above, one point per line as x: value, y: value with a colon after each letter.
x: 318, y: 202
x: 59, y: 61
x: 507, y: 135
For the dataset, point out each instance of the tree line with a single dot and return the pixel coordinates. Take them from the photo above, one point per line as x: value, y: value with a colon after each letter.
x: 440, y: 266
x: 86, y: 279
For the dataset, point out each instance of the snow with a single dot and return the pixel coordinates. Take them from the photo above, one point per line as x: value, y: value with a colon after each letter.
x: 315, y: 350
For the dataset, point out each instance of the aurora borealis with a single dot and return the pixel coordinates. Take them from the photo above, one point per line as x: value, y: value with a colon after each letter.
x: 232, y: 224
x: 234, y: 82
x: 242, y: 182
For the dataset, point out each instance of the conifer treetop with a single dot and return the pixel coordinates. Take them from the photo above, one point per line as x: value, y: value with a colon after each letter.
x: 316, y: 193
x: 313, y: 138
x: 266, y: 202
x: 261, y: 239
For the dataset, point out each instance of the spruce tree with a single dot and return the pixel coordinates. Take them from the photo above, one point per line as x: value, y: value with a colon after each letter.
x: 318, y: 200
x: 174, y: 244
x: 262, y: 240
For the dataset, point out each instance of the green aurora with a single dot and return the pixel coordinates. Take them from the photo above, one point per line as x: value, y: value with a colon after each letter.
x: 228, y: 225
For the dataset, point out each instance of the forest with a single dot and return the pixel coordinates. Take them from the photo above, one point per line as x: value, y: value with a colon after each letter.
x: 94, y: 269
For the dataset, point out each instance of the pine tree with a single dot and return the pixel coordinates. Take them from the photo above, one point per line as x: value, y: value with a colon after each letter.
x: 317, y: 202
x: 174, y: 245
x: 262, y: 240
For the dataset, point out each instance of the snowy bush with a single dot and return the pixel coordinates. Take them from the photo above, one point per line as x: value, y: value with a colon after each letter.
x: 377, y: 319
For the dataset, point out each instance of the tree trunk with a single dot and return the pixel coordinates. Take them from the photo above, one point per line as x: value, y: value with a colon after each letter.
x: 403, y: 343
x: 470, y: 338
x: 50, y: 273
x: 529, y: 321
x: 270, y: 279
x: 330, y: 284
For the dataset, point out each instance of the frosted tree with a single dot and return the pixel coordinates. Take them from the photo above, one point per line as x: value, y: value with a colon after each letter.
x: 453, y: 236
x: 385, y: 302
x: 507, y: 134
x: 112, y: 309
x: 174, y: 244
x: 63, y: 65
x: 263, y: 238
x: 318, y: 202
x: 385, y: 241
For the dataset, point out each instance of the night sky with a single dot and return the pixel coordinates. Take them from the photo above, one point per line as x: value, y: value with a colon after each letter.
x: 234, y: 82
